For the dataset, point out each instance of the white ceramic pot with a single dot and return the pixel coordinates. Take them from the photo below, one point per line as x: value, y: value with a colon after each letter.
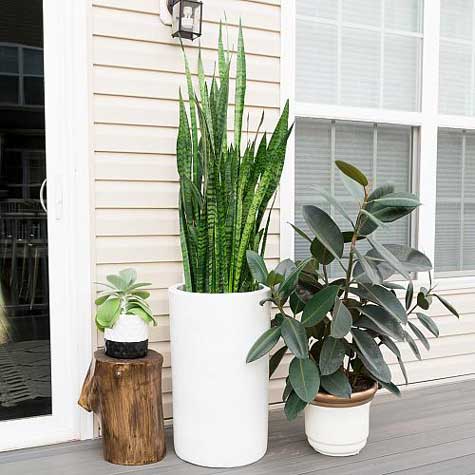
x: 220, y: 403
x: 128, y: 338
x: 336, y: 426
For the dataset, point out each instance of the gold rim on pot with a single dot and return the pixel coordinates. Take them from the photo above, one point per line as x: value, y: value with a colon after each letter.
x: 356, y: 399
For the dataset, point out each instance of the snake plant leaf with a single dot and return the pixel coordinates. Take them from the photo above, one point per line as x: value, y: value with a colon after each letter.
x: 293, y: 406
x: 336, y: 384
x: 352, y: 172
x: 428, y: 323
x: 342, y: 320
x: 305, y: 378
x: 257, y: 267
x: 412, y: 344
x: 371, y: 355
x: 108, y: 313
x: 319, y: 305
x: 447, y: 305
x: 276, y: 359
x: 295, y: 337
x: 325, y: 230
x: 383, y: 297
x: 382, y: 321
x: 264, y: 344
x: 331, y: 355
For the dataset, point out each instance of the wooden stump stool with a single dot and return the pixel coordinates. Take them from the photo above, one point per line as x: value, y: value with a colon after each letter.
x: 127, y: 394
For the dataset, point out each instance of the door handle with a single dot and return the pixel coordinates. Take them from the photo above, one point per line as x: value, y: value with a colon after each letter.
x: 42, y: 198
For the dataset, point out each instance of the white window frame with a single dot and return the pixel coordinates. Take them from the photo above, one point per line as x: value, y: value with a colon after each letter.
x: 428, y: 120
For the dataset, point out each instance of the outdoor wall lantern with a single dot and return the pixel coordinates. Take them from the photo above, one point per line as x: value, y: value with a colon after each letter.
x: 186, y: 18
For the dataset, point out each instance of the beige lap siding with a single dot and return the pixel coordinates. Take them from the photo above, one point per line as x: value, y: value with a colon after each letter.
x: 138, y: 69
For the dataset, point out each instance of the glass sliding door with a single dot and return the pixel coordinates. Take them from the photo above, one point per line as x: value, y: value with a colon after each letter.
x: 25, y: 364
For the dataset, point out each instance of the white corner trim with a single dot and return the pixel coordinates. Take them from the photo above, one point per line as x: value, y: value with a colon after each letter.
x: 165, y: 16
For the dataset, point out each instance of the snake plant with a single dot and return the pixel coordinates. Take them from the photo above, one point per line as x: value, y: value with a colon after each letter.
x: 226, y: 185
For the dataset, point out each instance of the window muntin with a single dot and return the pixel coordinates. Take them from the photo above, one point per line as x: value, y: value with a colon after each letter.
x: 359, y: 53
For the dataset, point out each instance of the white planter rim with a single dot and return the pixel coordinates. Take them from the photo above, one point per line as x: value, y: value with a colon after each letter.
x: 177, y: 289
x: 357, y: 399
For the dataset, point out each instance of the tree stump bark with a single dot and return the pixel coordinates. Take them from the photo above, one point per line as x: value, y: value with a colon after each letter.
x: 127, y: 395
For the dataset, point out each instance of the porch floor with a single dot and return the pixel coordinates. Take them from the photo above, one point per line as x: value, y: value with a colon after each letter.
x: 428, y: 431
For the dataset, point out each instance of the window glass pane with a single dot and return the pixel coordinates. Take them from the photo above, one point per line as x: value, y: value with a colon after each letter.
x: 365, y: 12
x: 33, y: 61
x: 318, y: 8
x: 403, y: 15
x: 402, y: 58
x: 360, y: 68
x: 8, y: 59
x: 452, y: 158
x: 34, y: 91
x: 456, y: 85
x: 316, y: 75
x: 351, y: 58
x: 383, y: 152
x: 9, y: 89
x: 456, y: 19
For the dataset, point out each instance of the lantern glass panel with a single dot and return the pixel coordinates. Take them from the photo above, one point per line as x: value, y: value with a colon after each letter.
x: 186, y: 19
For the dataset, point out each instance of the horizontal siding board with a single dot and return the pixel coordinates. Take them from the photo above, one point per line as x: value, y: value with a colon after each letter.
x: 161, y: 276
x: 144, y: 195
x: 133, y: 249
x: 262, y: 14
x: 138, y: 26
x: 148, y: 222
x: 165, y: 85
x: 150, y: 56
x: 163, y: 113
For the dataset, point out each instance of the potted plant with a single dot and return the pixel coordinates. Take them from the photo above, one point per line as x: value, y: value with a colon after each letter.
x: 341, y: 329
x: 220, y: 404
x: 124, y: 315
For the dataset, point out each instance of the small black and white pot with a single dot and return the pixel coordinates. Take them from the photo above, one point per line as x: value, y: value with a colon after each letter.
x: 128, y: 338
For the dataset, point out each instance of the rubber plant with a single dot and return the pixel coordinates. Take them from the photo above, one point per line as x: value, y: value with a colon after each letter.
x: 226, y: 185
x: 340, y: 331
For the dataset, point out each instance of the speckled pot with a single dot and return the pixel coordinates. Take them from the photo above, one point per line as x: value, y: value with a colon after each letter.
x: 127, y: 339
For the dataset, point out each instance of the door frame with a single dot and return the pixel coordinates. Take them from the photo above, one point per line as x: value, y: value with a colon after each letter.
x: 69, y: 156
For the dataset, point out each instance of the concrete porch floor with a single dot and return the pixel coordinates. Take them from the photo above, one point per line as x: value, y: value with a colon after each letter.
x: 429, y: 430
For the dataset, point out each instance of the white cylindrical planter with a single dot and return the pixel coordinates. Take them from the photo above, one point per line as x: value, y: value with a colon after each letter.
x: 336, y: 426
x: 128, y: 338
x: 220, y: 403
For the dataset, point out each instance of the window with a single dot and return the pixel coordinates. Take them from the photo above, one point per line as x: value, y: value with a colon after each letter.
x: 388, y: 85
x: 21, y: 75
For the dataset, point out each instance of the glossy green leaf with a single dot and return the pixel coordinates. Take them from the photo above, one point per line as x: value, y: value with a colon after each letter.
x: 291, y: 278
x: 332, y: 201
x: 264, y: 344
x: 108, y: 313
x: 341, y: 321
x: 275, y: 360
x: 336, y: 384
x: 295, y: 337
x: 129, y: 276
x: 293, y: 406
x: 418, y: 333
x: 331, y: 355
x: 412, y: 344
x: 391, y: 387
x: 305, y: 378
x: 383, y: 321
x: 447, y: 305
x: 389, y: 257
x: 409, y: 295
x: 353, y: 188
x: 257, y: 267
x: 394, y: 348
x: 320, y: 252
x: 325, y: 229
x: 423, y: 301
x: 428, y: 323
x: 319, y: 305
x: 371, y: 355
x: 352, y: 172
x: 117, y: 281
x: 398, y: 200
